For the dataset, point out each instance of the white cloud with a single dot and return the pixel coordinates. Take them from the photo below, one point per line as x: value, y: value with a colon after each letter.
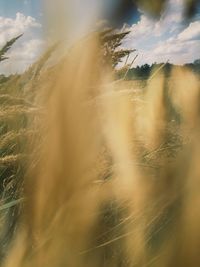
x: 192, y: 32
x: 26, y: 50
x: 12, y: 27
x: 168, y: 38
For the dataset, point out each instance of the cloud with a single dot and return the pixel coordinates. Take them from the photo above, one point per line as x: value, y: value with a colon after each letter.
x: 27, y: 49
x: 192, y: 32
x: 12, y: 27
x: 168, y: 38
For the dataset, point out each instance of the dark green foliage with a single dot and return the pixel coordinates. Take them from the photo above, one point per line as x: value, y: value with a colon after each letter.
x: 3, y: 78
x: 144, y: 71
x: 195, y: 67
x: 140, y: 72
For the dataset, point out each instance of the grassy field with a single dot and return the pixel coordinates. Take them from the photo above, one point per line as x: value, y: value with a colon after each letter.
x: 96, y: 172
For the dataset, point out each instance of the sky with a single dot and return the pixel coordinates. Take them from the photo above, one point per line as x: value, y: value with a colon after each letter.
x: 169, y: 38
x: 17, y: 17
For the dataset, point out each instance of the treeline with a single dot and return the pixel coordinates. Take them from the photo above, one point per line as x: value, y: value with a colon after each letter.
x: 144, y: 71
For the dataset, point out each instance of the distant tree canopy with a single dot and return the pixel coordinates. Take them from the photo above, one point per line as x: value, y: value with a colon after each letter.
x: 197, y: 62
x: 144, y: 71
x: 195, y: 66
x: 7, y: 47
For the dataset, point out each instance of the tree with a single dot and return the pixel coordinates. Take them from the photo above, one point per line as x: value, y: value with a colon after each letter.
x: 197, y: 62
x: 7, y: 47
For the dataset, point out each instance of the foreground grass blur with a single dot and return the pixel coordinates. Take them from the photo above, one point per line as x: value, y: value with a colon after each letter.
x: 97, y: 171
x: 110, y: 173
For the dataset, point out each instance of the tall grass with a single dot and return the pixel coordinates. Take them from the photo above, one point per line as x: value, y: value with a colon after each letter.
x: 110, y: 175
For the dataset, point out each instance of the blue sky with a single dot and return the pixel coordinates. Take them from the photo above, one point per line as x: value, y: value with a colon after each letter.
x: 9, y: 8
x: 168, y: 38
x: 171, y: 37
x: 16, y: 17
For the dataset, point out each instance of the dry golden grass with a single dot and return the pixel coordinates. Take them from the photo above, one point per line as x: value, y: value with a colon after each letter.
x: 112, y: 183
x: 113, y: 170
